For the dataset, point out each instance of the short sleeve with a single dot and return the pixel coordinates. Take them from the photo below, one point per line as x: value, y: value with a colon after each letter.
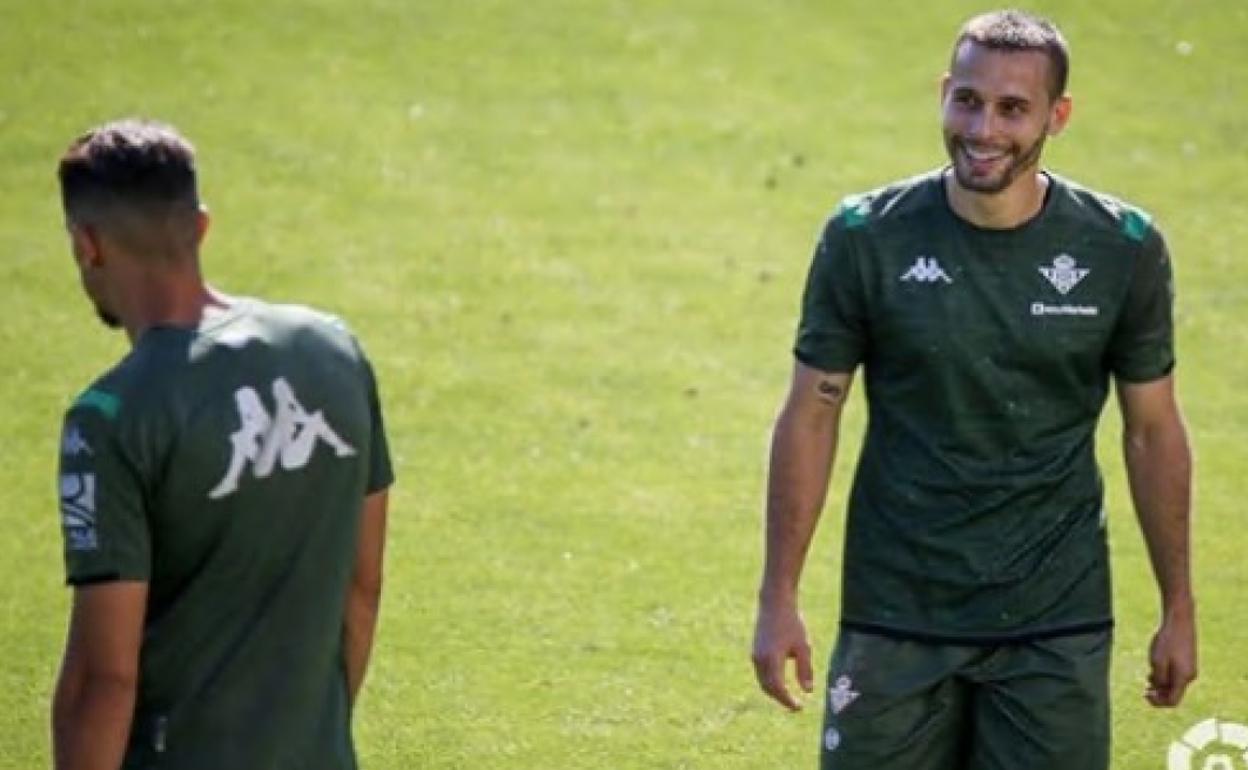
x: 1142, y: 346
x: 102, y: 502
x: 380, y: 471
x: 832, y: 333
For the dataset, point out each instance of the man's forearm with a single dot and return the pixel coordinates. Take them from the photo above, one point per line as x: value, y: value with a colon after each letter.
x: 802, y: 447
x: 91, y: 722
x: 1159, y: 469
x: 359, y: 622
x: 801, y: 456
x: 359, y: 627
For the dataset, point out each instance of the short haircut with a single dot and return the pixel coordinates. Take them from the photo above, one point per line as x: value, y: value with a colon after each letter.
x: 128, y: 169
x: 1014, y: 30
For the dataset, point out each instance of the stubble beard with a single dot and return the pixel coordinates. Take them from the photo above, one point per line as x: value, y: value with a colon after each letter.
x: 107, y: 318
x: 1022, y: 161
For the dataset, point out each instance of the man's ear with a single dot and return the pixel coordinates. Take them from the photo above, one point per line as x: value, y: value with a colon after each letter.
x: 1060, y: 115
x: 202, y: 221
x: 85, y: 242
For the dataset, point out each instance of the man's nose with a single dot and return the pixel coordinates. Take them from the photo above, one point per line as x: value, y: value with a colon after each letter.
x: 981, y: 125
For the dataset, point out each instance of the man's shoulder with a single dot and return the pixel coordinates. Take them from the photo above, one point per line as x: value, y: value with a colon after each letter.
x: 293, y: 315
x: 103, y: 397
x: 294, y: 327
x: 1101, y: 210
x: 114, y: 394
x: 152, y: 372
x: 890, y: 205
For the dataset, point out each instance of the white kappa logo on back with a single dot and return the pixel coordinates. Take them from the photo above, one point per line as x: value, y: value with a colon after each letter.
x: 926, y: 270
x: 289, y: 435
x: 1065, y: 274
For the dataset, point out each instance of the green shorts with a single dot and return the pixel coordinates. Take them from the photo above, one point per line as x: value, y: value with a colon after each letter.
x: 1034, y: 705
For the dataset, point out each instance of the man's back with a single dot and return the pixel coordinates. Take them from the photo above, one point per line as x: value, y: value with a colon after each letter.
x: 225, y: 466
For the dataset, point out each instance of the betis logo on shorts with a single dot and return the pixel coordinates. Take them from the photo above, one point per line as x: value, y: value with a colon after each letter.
x: 842, y: 694
x: 1065, y: 273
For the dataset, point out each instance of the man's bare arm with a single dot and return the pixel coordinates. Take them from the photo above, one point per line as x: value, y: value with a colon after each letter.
x: 95, y: 692
x: 1159, y: 470
x: 364, y: 593
x: 802, y: 449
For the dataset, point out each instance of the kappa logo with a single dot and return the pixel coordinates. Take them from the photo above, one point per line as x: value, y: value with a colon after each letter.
x: 288, y: 436
x: 78, y: 511
x: 1210, y: 745
x: 72, y: 442
x: 1065, y: 274
x: 842, y: 694
x: 926, y: 270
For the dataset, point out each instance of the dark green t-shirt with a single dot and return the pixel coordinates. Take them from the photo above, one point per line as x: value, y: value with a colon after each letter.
x: 976, y: 510
x: 225, y: 466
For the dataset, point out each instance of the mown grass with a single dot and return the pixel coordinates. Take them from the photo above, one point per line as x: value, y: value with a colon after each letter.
x: 572, y: 236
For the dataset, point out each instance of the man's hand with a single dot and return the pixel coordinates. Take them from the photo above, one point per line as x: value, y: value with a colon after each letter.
x: 1172, y: 660
x: 779, y: 635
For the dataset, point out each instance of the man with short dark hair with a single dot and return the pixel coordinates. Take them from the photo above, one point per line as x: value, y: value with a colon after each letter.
x: 989, y: 304
x: 223, y: 495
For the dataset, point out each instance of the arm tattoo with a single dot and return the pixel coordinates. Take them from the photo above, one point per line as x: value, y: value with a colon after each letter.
x: 830, y: 391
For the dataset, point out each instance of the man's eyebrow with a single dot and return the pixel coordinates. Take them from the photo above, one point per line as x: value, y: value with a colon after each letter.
x: 1014, y: 100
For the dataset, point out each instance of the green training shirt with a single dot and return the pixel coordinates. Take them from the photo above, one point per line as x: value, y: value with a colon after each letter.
x: 976, y: 509
x: 225, y: 466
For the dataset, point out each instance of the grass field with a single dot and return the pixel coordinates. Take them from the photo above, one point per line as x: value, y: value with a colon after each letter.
x: 572, y: 235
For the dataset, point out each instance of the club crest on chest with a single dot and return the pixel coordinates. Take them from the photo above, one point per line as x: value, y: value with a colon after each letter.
x: 1064, y: 274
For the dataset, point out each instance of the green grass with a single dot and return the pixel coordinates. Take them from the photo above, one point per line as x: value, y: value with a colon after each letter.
x: 572, y: 236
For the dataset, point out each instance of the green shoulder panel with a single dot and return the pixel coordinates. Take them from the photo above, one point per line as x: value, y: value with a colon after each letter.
x: 1135, y: 223
x: 106, y: 403
x: 854, y: 211
x: 1129, y: 219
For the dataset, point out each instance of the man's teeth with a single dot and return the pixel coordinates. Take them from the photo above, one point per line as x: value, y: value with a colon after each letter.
x: 983, y: 154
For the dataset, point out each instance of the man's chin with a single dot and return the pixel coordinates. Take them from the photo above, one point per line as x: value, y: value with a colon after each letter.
x: 107, y: 318
x: 981, y: 185
x: 986, y: 184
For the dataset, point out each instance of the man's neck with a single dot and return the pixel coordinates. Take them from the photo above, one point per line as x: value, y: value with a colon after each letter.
x: 172, y: 300
x: 1005, y: 210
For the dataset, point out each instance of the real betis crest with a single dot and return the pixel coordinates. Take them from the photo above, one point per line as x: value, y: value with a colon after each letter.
x: 1064, y: 274
x: 842, y: 694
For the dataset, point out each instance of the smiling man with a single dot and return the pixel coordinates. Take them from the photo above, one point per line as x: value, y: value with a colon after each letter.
x: 989, y: 304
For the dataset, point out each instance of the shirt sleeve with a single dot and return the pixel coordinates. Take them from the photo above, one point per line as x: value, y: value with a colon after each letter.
x: 103, y: 515
x: 1142, y: 346
x: 832, y: 332
x: 380, y: 472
